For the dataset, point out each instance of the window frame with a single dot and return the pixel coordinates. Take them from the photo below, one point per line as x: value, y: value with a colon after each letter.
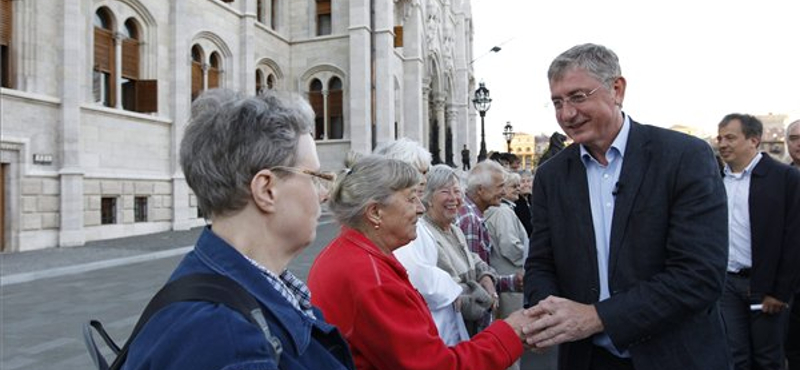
x: 108, y: 210
x: 140, y: 208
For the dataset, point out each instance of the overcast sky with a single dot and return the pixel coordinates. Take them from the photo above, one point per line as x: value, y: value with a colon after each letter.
x: 686, y: 62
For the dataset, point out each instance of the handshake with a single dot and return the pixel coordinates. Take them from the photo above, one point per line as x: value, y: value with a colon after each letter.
x: 554, y: 320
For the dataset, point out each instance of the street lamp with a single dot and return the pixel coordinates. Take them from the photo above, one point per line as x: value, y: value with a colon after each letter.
x: 482, y: 102
x: 508, y: 133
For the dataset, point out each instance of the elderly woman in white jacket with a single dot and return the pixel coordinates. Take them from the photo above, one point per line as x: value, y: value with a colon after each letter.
x: 420, y: 256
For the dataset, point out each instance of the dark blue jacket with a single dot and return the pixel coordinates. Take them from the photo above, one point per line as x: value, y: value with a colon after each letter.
x: 203, y: 335
x: 668, y: 251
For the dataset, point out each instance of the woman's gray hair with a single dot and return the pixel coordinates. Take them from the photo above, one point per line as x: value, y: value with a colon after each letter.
x: 525, y: 173
x: 512, y: 177
x: 481, y: 175
x: 371, y: 179
x: 406, y: 150
x: 231, y: 136
x: 441, y: 175
x: 599, y: 61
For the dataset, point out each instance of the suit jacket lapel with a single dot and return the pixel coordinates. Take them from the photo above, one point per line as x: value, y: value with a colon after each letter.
x: 577, y: 201
x: 635, y: 161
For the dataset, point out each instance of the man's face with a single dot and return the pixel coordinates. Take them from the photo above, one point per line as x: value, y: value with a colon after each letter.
x: 793, y: 144
x: 492, y: 194
x: 595, y: 120
x: 734, y: 148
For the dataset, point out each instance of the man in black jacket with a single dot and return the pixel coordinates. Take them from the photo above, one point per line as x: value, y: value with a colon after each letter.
x: 764, y: 238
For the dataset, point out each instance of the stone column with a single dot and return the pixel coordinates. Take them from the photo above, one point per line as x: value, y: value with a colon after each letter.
x: 360, y: 75
x: 118, y: 37
x: 205, y: 66
x: 326, y: 116
x: 438, y: 102
x: 180, y: 59
x: 71, y: 231
x: 426, y: 107
x: 414, y: 95
x: 247, y: 63
x: 384, y: 84
x: 452, y: 123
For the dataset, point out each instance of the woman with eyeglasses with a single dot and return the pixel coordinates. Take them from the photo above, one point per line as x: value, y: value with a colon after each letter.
x: 420, y: 256
x: 253, y: 166
x: 363, y: 289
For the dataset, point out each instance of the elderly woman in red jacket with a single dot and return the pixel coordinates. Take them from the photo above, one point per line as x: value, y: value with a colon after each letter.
x: 364, y: 290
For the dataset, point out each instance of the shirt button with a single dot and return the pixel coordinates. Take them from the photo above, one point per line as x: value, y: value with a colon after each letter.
x: 608, y: 204
x: 605, y: 176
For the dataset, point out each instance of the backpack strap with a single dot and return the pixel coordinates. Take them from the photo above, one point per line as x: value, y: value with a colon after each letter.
x: 213, y: 288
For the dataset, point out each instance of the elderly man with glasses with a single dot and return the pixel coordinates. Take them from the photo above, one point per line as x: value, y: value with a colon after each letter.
x: 629, y: 244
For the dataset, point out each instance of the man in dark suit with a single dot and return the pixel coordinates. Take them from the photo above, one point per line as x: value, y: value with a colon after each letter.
x: 793, y: 337
x: 764, y: 221
x: 629, y: 243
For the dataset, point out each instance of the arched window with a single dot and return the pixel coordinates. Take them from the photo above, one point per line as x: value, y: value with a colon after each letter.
x: 318, y: 104
x: 5, y: 43
x: 323, y: 17
x: 335, y: 109
x: 104, y: 70
x: 197, y: 71
x: 130, y: 64
x: 259, y: 81
x: 214, y: 71
x: 117, y: 82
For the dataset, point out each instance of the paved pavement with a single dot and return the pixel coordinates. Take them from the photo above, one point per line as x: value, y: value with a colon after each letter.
x: 45, y: 296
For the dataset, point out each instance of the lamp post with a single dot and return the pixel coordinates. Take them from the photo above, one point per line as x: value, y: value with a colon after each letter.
x: 482, y: 102
x: 508, y: 134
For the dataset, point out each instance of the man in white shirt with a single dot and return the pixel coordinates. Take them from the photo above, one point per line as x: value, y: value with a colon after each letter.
x: 764, y: 235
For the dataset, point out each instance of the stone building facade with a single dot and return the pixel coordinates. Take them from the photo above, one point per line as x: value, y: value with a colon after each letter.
x: 96, y: 93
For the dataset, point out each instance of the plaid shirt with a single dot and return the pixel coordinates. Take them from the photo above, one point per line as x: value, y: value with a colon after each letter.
x: 470, y: 220
x: 290, y: 287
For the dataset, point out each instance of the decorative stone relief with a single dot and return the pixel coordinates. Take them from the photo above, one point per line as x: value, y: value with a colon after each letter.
x: 433, y: 22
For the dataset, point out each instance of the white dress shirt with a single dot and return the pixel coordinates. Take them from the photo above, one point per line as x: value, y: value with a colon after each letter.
x: 737, y: 185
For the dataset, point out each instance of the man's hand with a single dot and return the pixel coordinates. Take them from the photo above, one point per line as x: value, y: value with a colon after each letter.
x: 772, y: 305
x: 488, y: 284
x: 519, y: 280
x: 457, y: 304
x: 560, y: 320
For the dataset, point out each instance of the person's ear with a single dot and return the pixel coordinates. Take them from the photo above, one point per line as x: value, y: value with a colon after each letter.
x: 373, y: 215
x: 756, y: 141
x: 619, y: 90
x: 263, y: 190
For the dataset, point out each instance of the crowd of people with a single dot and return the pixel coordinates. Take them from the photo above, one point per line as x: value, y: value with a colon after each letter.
x: 628, y: 249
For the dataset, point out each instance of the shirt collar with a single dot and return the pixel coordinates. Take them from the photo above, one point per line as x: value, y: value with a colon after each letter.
x: 471, y: 206
x: 747, y: 170
x: 617, y: 147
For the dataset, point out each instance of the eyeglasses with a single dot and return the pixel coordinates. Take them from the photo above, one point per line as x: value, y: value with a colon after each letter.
x: 322, y: 180
x: 575, y: 99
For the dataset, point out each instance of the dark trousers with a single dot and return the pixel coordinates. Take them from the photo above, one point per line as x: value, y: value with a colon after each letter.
x: 793, y: 338
x: 604, y: 360
x: 755, y: 339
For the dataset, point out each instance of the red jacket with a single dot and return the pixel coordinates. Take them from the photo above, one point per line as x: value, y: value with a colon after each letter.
x: 366, y: 293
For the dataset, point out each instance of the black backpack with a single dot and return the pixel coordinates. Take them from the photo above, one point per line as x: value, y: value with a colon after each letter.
x: 197, y: 287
